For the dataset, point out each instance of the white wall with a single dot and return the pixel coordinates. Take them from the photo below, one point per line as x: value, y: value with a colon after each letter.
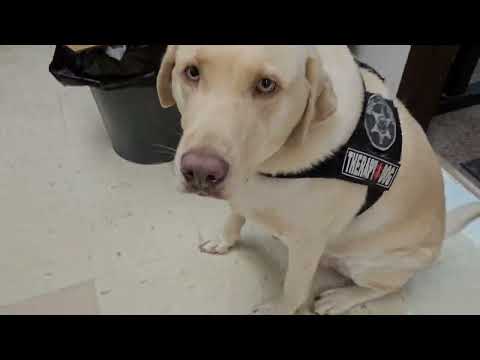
x: 388, y: 60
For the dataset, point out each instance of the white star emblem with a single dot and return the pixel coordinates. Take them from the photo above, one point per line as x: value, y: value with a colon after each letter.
x: 384, y: 124
x: 382, y: 127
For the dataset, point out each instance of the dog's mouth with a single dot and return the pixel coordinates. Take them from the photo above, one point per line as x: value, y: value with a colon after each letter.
x: 217, y: 193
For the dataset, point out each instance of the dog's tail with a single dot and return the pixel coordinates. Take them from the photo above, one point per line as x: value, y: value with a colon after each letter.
x: 459, y: 218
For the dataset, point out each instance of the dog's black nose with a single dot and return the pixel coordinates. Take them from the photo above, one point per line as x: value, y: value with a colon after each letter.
x: 203, y: 171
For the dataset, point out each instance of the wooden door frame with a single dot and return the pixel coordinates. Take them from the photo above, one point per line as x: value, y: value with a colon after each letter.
x: 424, y: 79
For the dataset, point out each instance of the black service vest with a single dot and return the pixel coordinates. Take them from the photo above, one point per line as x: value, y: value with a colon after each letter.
x: 371, y: 156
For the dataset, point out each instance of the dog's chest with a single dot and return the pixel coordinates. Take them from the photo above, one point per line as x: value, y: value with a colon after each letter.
x: 286, y: 207
x: 271, y: 220
x: 269, y: 205
x: 266, y: 214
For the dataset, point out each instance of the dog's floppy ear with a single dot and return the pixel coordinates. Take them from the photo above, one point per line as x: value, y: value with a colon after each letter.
x: 322, y: 101
x: 164, y: 78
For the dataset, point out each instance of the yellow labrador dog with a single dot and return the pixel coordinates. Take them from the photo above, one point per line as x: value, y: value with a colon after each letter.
x: 252, y: 114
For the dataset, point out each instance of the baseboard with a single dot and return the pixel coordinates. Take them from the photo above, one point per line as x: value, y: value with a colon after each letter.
x: 460, y: 177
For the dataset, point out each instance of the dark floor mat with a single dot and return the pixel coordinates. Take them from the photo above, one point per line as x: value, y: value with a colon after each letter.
x: 473, y: 168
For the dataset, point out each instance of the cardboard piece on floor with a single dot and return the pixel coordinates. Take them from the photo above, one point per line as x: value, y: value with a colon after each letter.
x: 78, y: 299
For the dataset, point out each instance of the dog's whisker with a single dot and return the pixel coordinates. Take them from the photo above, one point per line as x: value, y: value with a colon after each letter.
x: 165, y: 147
x: 164, y: 150
x: 165, y: 153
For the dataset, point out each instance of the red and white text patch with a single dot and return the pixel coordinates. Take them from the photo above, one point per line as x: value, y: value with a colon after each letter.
x: 369, y: 168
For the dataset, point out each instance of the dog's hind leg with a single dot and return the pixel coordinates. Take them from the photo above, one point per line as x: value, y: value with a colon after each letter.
x: 374, y: 279
x: 383, y: 263
x: 374, y: 286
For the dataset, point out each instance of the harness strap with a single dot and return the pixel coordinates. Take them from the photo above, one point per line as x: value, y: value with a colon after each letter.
x: 373, y: 193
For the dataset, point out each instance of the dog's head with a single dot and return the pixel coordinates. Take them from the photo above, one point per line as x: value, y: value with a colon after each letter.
x: 239, y: 106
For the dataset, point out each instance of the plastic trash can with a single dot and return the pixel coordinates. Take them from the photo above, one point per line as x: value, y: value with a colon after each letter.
x: 122, y: 80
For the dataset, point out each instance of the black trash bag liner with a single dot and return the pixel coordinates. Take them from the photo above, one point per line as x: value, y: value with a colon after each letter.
x: 94, y: 67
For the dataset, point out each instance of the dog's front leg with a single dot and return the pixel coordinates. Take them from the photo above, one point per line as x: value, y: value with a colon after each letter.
x: 227, y: 239
x: 303, y: 259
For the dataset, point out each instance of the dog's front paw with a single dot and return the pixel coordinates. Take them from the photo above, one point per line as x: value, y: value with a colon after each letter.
x: 215, y: 247
x: 275, y: 307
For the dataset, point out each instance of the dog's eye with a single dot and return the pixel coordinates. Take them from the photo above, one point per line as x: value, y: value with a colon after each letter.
x: 266, y: 86
x: 192, y: 73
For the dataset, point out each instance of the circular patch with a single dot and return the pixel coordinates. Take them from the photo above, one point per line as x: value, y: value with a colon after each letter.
x: 380, y: 123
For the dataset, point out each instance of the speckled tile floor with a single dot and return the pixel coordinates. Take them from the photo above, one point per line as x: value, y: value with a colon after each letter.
x: 83, y: 231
